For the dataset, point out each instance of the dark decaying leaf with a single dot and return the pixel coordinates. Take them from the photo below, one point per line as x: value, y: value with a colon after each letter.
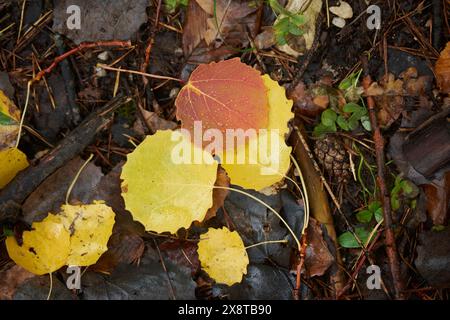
x: 318, y: 257
x: 413, y: 154
x: 433, y: 259
x: 204, y: 42
x: 101, y: 20
x: 262, y: 282
x: 11, y: 279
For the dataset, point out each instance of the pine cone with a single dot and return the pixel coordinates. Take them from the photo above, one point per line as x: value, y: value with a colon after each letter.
x: 330, y: 152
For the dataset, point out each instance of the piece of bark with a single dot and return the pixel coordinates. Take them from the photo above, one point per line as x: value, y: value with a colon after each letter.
x: 74, y: 143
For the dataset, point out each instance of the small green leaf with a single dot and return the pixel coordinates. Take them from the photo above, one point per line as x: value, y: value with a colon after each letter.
x: 298, y: 19
x: 364, y: 216
x: 281, y: 39
x: 294, y: 30
x: 5, y: 120
x: 348, y: 240
x: 345, y: 84
x: 379, y: 215
x: 352, y: 123
x: 329, y: 118
x: 352, y: 107
x: 342, y: 122
x: 374, y: 206
x: 395, y: 202
x: 282, y: 25
x: 365, y: 121
x: 320, y: 130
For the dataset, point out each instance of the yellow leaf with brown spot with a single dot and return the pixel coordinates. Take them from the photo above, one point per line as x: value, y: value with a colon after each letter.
x: 90, y: 226
x: 45, y: 248
x: 223, y: 256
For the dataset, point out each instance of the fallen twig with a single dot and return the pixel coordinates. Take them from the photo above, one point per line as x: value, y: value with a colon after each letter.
x: 84, y: 45
x: 391, y: 247
x: 148, y: 49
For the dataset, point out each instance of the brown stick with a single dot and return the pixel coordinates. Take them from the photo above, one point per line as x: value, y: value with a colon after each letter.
x: 148, y: 49
x: 84, y: 45
x: 298, y: 282
x: 74, y: 143
x: 391, y: 247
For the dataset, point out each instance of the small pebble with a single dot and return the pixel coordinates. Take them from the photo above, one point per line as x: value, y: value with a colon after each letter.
x: 338, y: 22
x: 104, y: 56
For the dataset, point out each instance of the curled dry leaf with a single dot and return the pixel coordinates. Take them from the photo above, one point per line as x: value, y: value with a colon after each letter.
x: 442, y: 70
x: 162, y: 191
x: 215, y: 29
x: 318, y: 257
x: 223, y: 256
x: 389, y: 94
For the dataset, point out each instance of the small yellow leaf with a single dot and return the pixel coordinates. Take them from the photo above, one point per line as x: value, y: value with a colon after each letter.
x: 163, y: 192
x: 271, y: 160
x: 45, y: 248
x: 9, y: 122
x: 90, y: 226
x: 223, y: 256
x: 12, y: 161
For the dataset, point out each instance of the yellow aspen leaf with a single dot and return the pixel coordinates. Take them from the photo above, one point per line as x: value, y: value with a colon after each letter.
x: 162, y: 186
x: 12, y: 161
x: 45, y: 248
x: 267, y: 159
x: 90, y: 226
x: 223, y: 256
x: 9, y: 122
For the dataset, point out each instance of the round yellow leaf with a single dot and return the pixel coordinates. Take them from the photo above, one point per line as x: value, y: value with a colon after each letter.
x: 90, y: 226
x: 45, y: 248
x: 12, y: 161
x: 162, y: 186
x: 267, y: 157
x: 223, y: 256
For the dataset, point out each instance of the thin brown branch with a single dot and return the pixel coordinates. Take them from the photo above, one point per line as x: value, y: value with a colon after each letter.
x: 391, y: 247
x: 84, y: 45
x: 148, y: 49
